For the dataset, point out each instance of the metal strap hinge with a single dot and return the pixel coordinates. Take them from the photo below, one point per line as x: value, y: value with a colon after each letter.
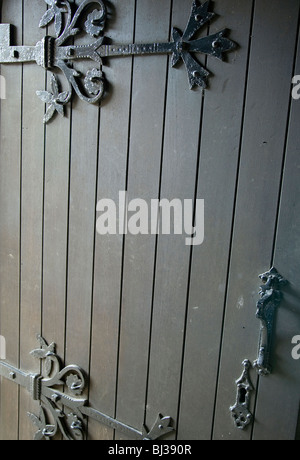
x: 59, y: 52
x: 63, y: 409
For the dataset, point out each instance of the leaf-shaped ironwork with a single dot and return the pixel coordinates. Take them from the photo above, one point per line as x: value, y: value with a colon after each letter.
x: 53, y: 13
x: 95, y: 19
x: 55, y: 100
x: 93, y: 82
x: 45, y: 431
x: 161, y: 426
x: 95, y: 23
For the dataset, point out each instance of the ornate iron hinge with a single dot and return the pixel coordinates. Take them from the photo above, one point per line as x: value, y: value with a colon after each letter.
x: 62, y: 407
x: 51, y: 54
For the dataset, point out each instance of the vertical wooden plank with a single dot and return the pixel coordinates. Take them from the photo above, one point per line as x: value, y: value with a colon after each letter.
x: 10, y: 166
x: 109, y: 248
x: 147, y: 121
x: 257, y: 195
x: 83, y: 173
x: 55, y: 222
x: 219, y: 155
x: 179, y: 168
x: 56, y: 230
x: 31, y: 212
x: 283, y: 384
x: 56, y: 202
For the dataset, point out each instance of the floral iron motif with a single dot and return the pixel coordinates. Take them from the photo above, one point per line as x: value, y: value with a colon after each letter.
x: 63, y: 409
x: 53, y: 52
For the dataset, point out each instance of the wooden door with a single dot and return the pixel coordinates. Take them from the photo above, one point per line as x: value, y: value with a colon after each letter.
x: 158, y: 326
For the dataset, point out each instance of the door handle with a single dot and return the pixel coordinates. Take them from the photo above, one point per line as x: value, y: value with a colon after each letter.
x: 270, y: 299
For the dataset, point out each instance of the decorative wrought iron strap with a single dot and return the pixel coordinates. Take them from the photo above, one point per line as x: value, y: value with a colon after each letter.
x: 57, y: 52
x: 63, y: 409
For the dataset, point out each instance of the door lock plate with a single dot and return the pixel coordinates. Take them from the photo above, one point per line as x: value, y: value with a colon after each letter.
x: 241, y: 410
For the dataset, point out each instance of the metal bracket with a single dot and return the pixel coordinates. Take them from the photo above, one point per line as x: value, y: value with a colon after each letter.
x: 50, y: 52
x: 64, y: 410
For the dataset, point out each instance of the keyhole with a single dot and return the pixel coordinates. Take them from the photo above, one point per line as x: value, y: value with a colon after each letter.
x: 242, y: 395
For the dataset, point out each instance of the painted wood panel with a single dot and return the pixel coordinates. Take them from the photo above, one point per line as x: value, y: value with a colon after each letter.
x: 257, y: 194
x: 179, y: 167
x: 112, y: 178
x: 283, y: 387
x: 32, y: 204
x: 143, y: 181
x: 218, y: 171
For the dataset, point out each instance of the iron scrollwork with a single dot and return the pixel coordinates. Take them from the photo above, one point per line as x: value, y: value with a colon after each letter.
x: 71, y: 425
x: 61, y: 57
x: 90, y: 18
x: 63, y: 408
